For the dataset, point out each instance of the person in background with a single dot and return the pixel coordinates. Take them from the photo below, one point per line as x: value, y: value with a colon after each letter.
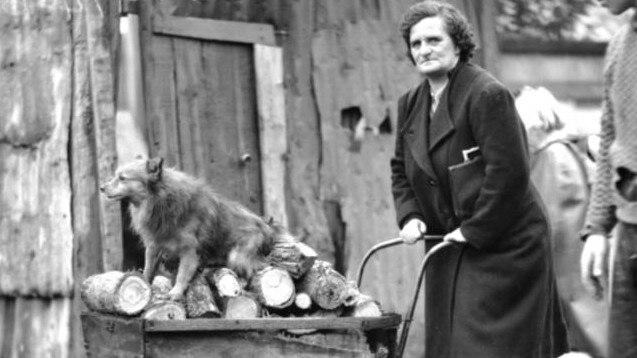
x: 613, y: 205
x: 560, y: 170
x: 461, y: 170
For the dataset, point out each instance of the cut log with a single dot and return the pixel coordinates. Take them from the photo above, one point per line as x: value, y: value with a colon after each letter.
x: 360, y: 305
x: 352, y: 294
x: 160, y: 287
x: 303, y: 301
x: 225, y: 281
x: 125, y: 293
x: 200, y: 302
x: 295, y: 257
x: 326, y: 287
x: 365, y: 306
x: 242, y: 306
x: 165, y: 310
x: 274, y: 287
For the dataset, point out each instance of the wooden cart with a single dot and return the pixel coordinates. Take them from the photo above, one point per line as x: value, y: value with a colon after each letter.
x: 114, y: 336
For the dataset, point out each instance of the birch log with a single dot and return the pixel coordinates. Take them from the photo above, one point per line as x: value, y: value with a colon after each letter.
x: 242, y: 306
x: 165, y: 310
x: 295, y: 257
x: 225, y: 281
x: 274, y: 287
x: 200, y: 302
x: 125, y: 293
x: 326, y: 287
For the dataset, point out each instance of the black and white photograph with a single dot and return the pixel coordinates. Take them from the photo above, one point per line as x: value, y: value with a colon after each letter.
x: 318, y: 178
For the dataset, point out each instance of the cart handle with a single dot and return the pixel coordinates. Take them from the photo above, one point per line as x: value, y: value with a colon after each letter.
x: 383, y: 245
x: 404, y: 333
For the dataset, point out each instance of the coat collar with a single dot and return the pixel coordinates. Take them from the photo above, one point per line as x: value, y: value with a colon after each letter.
x: 418, y: 121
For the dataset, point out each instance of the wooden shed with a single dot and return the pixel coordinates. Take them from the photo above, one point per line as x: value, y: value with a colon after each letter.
x: 287, y: 106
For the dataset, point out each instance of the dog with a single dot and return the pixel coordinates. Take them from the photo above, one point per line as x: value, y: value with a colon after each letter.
x: 179, y: 217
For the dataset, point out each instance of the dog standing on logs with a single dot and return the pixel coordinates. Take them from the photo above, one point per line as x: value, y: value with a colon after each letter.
x: 180, y: 217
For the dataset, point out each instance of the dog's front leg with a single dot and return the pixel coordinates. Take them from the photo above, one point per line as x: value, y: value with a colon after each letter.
x: 188, y: 264
x: 151, y: 259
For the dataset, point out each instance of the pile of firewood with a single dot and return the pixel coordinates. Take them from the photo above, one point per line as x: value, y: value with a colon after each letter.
x: 295, y: 284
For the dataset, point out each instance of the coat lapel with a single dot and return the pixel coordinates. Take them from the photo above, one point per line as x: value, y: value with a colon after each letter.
x: 415, y: 129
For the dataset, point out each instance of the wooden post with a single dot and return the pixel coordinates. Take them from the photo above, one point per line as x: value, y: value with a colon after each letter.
x: 268, y: 62
x: 103, y: 105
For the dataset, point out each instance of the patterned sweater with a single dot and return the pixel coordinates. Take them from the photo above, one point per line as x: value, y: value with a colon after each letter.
x: 618, y: 146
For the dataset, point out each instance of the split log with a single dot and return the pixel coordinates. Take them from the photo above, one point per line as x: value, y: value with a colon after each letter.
x: 326, y: 287
x: 303, y: 301
x: 165, y: 310
x: 225, y: 281
x: 352, y: 294
x: 360, y: 305
x: 125, y: 293
x: 160, y: 287
x: 295, y: 257
x: 274, y: 287
x: 200, y: 302
x: 365, y: 306
x: 242, y: 306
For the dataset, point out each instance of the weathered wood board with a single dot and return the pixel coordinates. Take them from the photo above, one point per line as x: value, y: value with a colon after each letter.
x: 342, y: 337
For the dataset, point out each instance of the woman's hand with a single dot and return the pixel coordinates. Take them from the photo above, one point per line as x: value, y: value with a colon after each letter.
x: 455, y: 236
x: 593, y: 264
x: 412, y: 231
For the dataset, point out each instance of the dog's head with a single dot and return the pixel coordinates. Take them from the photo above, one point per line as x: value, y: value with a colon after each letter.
x: 134, y: 180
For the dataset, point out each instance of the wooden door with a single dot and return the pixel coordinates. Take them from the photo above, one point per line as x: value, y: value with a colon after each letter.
x: 202, y: 109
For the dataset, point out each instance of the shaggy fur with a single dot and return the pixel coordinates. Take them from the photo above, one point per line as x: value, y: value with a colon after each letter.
x: 180, y: 217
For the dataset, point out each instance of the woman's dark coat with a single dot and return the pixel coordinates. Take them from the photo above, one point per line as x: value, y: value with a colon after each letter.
x: 494, y: 296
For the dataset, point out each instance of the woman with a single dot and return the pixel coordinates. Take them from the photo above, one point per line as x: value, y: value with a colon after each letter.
x: 461, y: 170
x: 561, y: 172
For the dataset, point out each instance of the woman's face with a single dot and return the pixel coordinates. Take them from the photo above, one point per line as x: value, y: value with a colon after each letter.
x: 431, y: 47
x: 617, y: 6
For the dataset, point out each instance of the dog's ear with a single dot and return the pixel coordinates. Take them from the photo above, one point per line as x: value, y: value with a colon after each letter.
x: 154, y: 168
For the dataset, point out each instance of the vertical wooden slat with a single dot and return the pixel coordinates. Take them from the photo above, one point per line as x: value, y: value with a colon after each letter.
x: 162, y: 109
x: 230, y: 123
x: 35, y: 216
x: 103, y: 106
x: 247, y: 125
x: 221, y: 118
x: 25, y: 318
x: 272, y: 129
x: 190, y: 104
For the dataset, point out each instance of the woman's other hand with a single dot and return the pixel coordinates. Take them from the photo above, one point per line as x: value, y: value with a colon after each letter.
x: 455, y: 236
x: 412, y: 231
x: 592, y: 264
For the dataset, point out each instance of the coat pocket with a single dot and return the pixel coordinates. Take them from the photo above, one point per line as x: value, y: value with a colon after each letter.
x: 466, y: 180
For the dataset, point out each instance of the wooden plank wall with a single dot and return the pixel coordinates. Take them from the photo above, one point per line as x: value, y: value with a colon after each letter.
x: 35, y: 220
x: 57, y: 145
x: 366, y: 77
x: 36, y: 238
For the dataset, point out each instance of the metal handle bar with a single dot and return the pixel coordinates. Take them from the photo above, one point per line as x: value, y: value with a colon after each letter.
x: 410, y: 313
x: 404, y: 333
x: 383, y: 245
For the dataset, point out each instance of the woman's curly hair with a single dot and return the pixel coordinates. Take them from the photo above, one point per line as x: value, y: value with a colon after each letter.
x: 456, y: 25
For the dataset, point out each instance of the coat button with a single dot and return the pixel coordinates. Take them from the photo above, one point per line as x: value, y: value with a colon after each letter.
x: 432, y: 182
